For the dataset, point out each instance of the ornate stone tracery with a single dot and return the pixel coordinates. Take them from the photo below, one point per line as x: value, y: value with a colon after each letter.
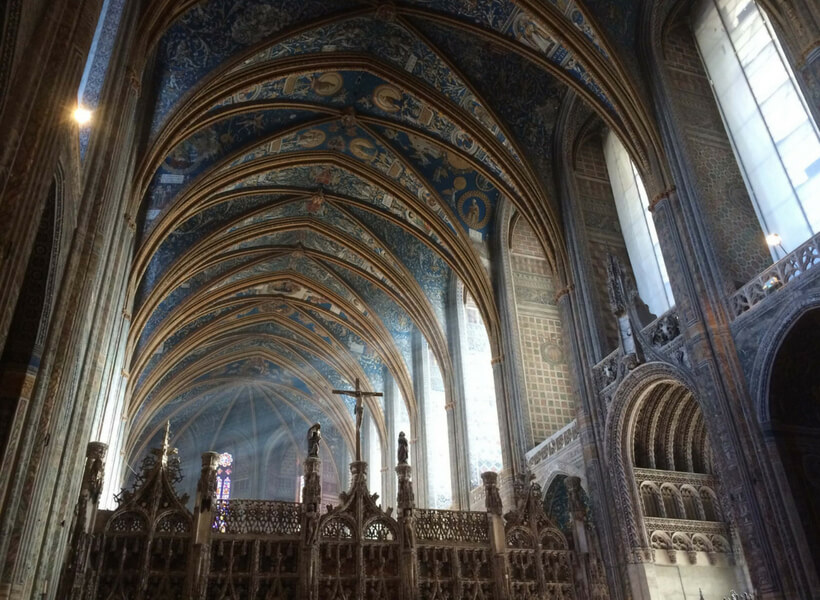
x: 153, y: 547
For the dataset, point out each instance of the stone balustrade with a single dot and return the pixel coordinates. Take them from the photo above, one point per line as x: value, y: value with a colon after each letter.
x: 768, y: 283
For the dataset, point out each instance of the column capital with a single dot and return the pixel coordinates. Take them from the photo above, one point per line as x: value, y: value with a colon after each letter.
x: 658, y: 198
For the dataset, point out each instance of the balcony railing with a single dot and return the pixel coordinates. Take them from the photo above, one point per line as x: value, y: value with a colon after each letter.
x: 664, y: 337
x: 776, y: 277
x: 553, y: 444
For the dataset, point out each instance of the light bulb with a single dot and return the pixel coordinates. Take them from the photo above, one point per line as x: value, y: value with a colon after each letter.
x: 773, y: 239
x: 82, y: 115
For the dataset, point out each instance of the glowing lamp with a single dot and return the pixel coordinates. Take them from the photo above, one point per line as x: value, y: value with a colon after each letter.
x: 773, y: 240
x: 82, y: 115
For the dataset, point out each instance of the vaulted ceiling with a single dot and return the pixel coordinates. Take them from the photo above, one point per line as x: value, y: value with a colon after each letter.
x: 319, y: 172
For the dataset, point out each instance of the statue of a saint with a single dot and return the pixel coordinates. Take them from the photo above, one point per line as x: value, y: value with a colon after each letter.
x: 313, y: 438
x: 403, y: 452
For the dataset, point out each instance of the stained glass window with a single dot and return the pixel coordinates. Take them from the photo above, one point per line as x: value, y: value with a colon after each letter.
x: 223, y: 476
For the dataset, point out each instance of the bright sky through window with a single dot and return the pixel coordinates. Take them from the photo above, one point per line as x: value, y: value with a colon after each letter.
x: 771, y: 129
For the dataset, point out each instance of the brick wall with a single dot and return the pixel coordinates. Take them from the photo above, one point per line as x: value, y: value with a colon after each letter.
x: 550, y: 403
x: 736, y: 233
x: 603, y: 231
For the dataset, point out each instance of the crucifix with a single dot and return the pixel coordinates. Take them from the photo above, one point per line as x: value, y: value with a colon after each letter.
x: 359, y: 395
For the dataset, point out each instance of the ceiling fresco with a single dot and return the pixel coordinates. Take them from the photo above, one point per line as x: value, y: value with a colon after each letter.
x: 388, y: 41
x: 618, y: 19
x: 213, y: 32
x: 530, y: 113
x: 319, y: 176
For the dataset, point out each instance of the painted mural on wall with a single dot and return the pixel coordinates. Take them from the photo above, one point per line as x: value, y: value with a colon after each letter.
x: 550, y: 400
x: 259, y: 424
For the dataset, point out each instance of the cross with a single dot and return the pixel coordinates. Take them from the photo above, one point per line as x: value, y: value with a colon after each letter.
x: 359, y: 395
x: 166, y: 449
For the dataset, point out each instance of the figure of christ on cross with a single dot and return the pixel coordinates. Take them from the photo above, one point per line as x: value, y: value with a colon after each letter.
x: 359, y: 395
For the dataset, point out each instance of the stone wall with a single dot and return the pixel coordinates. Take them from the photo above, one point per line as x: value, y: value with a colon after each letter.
x: 550, y: 403
x: 736, y: 234
x: 603, y: 231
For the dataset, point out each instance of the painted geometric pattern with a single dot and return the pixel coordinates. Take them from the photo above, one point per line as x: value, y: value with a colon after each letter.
x: 546, y: 371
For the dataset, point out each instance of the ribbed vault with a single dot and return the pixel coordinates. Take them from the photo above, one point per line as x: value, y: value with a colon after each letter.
x: 316, y: 176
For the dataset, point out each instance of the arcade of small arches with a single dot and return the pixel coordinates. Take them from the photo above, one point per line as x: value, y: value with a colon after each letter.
x: 538, y: 229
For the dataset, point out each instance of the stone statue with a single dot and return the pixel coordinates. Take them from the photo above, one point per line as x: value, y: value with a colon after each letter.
x: 313, y: 438
x: 403, y: 452
x: 492, y: 497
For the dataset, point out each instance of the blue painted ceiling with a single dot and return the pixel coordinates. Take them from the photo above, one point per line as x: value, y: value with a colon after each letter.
x: 318, y: 175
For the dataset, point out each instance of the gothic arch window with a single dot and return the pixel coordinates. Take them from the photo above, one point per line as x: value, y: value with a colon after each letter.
x: 437, y: 433
x: 711, y: 508
x: 223, y: 476
x: 672, y: 502
x: 483, y: 433
x: 692, y: 506
x: 637, y: 227
x: 775, y: 139
x: 668, y: 432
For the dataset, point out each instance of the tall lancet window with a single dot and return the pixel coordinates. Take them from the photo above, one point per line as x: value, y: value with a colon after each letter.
x: 223, y: 476
x: 770, y: 126
x: 437, y: 436
x: 638, y: 228
x: 483, y: 434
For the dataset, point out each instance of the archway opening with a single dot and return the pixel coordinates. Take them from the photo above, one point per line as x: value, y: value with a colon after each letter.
x: 672, y: 465
x: 794, y: 412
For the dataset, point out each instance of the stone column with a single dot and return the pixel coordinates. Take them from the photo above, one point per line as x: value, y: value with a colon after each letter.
x: 511, y: 442
x: 508, y: 371
x: 73, y: 582
x: 724, y: 399
x: 406, y: 500
x: 456, y: 406
x: 579, y: 533
x: 498, y: 537
x: 311, y: 507
x: 418, y: 429
x: 390, y: 397
x: 205, y: 510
